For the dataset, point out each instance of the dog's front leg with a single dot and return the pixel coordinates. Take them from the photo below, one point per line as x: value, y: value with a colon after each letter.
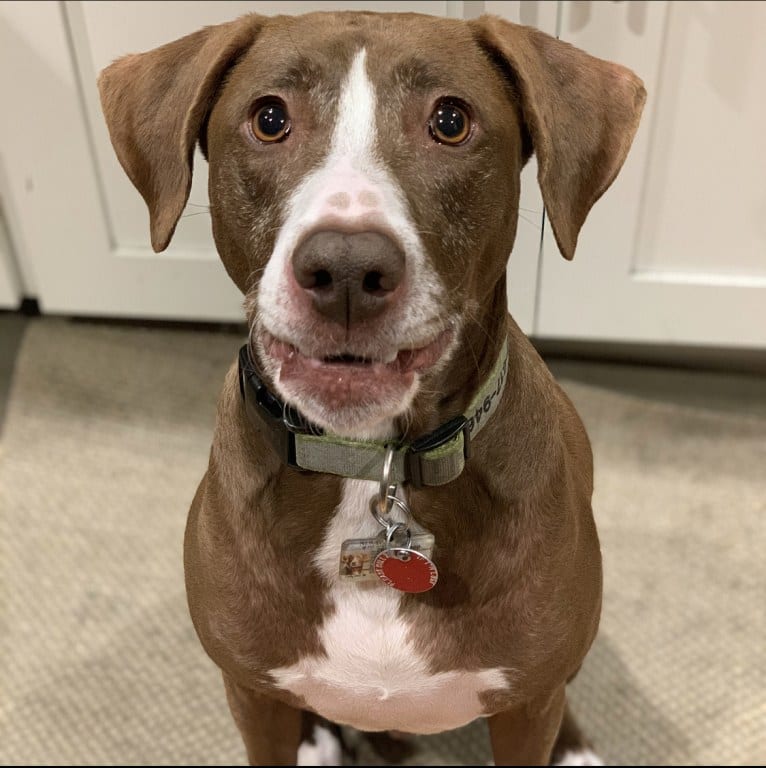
x: 270, y: 729
x: 525, y: 735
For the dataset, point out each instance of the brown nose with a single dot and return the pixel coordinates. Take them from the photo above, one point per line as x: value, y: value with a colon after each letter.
x: 350, y: 276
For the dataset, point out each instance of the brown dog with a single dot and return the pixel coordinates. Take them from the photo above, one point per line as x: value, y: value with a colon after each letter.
x: 364, y: 188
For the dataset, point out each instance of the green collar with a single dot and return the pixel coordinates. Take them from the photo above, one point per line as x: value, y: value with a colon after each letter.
x: 435, y: 459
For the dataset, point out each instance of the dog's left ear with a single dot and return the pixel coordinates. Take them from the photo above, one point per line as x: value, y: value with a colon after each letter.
x: 155, y: 105
x: 581, y: 114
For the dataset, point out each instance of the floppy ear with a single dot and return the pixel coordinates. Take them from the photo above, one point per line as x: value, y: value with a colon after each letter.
x: 581, y: 114
x: 155, y: 104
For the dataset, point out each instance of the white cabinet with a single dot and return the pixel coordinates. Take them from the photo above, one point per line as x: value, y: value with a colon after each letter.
x: 675, y: 252
x: 85, y: 227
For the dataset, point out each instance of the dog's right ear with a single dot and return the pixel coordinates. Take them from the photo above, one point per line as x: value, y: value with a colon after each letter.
x: 155, y: 104
x: 581, y: 113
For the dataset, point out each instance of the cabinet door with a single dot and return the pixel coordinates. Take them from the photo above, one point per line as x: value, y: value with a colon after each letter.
x: 676, y: 250
x: 84, y: 226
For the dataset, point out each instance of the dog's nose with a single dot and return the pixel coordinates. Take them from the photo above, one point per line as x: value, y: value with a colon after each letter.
x: 350, y: 276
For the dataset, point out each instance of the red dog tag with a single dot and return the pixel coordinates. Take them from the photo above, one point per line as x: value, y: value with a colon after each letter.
x: 406, y: 570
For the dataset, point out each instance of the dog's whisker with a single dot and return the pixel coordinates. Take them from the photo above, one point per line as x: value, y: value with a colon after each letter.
x: 267, y: 230
x: 253, y: 274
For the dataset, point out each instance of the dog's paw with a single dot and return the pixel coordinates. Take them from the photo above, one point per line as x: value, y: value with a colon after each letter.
x: 579, y: 757
x: 322, y: 747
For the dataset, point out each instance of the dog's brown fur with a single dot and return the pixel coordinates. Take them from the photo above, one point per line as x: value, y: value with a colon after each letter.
x: 517, y: 550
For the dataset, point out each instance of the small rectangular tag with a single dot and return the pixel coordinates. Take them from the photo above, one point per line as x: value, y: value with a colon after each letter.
x: 357, y: 556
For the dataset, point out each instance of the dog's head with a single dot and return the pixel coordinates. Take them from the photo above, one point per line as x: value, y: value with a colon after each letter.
x: 364, y: 181
x: 353, y: 564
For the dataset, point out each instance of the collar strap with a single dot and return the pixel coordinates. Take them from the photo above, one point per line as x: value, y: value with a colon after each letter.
x: 435, y: 459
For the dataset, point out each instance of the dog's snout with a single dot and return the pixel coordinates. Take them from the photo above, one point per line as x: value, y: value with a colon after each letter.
x: 350, y: 277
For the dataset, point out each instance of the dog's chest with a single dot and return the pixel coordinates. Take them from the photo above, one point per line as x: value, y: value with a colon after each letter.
x: 371, y: 676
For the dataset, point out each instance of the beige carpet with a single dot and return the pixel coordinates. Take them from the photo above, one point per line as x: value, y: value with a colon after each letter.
x: 106, y: 437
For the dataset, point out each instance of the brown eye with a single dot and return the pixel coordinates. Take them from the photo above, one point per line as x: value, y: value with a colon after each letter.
x: 449, y: 123
x: 271, y: 122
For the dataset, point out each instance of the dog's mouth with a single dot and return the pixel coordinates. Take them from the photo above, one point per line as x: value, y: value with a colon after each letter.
x: 342, y: 379
x: 404, y: 361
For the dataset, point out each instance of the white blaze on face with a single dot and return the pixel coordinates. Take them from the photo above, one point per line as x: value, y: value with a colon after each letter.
x: 354, y: 135
x: 352, y: 189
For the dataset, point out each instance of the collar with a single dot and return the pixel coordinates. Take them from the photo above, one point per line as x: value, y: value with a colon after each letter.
x: 435, y: 459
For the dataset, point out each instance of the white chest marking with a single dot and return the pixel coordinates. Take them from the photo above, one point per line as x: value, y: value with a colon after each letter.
x: 371, y: 676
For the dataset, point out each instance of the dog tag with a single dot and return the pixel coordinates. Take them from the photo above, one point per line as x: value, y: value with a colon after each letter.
x: 357, y: 556
x: 405, y: 569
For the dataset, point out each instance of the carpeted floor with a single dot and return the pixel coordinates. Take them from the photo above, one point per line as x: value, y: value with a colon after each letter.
x: 106, y: 436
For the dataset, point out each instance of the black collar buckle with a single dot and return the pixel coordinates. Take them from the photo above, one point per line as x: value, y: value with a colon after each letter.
x: 440, y: 436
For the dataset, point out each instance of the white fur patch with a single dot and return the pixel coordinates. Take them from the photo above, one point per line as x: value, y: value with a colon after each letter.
x: 326, y: 749
x: 579, y: 757
x: 370, y: 676
x: 354, y: 134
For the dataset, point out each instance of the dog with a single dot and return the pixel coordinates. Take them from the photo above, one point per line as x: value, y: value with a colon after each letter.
x: 364, y: 192
x: 353, y: 565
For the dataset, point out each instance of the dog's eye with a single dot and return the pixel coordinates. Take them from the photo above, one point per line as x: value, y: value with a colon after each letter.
x: 449, y: 123
x: 271, y: 122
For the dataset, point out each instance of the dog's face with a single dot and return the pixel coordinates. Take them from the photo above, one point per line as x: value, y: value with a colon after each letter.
x: 353, y: 565
x: 384, y: 200
x: 364, y: 181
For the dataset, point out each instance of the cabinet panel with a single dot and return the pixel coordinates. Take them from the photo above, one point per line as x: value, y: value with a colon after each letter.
x: 703, y: 207
x: 676, y: 249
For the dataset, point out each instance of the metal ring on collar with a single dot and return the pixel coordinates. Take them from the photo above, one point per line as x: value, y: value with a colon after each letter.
x: 387, y: 489
x: 392, y: 530
x: 382, y: 520
x: 391, y: 500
